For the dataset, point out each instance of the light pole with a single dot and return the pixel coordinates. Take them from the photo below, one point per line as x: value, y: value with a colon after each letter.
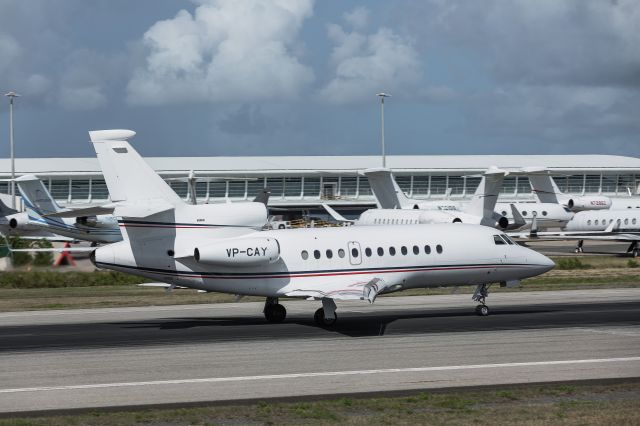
x: 12, y: 96
x: 383, y: 95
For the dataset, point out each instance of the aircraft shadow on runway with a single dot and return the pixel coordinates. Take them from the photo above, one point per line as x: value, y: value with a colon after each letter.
x: 397, y: 322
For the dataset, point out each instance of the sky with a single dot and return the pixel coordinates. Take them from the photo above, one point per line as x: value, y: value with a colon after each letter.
x: 300, y: 77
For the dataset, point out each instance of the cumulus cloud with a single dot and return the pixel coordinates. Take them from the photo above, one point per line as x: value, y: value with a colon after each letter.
x: 247, y: 119
x: 364, y: 64
x: 40, y: 60
x: 550, y: 70
x: 226, y: 50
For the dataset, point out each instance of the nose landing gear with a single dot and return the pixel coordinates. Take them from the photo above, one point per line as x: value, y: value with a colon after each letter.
x: 578, y: 248
x: 480, y: 295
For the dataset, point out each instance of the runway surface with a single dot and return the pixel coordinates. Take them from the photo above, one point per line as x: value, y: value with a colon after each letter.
x: 174, y: 354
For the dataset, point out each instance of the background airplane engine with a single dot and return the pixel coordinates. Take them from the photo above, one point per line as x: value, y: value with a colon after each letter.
x: 19, y: 220
x: 239, y: 252
x: 589, y: 203
x: 95, y: 221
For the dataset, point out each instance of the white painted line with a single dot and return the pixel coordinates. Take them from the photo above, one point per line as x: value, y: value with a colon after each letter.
x: 318, y: 374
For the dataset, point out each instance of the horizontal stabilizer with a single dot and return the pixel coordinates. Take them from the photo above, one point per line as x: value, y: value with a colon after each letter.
x: 89, y: 211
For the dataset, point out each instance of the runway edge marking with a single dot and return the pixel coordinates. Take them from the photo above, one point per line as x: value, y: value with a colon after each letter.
x: 319, y: 374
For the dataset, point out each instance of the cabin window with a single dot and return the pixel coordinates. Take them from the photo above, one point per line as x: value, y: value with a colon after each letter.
x: 595, y: 222
x: 304, y: 254
x: 341, y: 253
x: 626, y: 221
x: 416, y: 250
x: 524, y: 212
x: 367, y: 251
x: 354, y: 252
x: 427, y: 249
x: 439, y: 248
x: 504, y: 213
x: 392, y: 251
x: 316, y: 254
x: 633, y: 221
x: 380, y: 251
x: 329, y: 254
x: 497, y: 240
x: 544, y: 212
x: 403, y: 249
x: 589, y: 222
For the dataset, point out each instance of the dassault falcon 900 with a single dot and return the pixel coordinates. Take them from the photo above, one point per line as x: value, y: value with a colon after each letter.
x: 222, y: 247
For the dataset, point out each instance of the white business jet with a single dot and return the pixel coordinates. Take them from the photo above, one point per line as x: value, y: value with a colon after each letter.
x: 220, y: 248
x: 479, y: 211
x: 15, y: 223
x: 546, y: 191
x: 390, y: 196
x: 84, y: 225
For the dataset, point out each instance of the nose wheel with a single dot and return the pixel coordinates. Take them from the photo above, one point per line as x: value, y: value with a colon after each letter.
x: 579, y: 248
x: 273, y: 311
x: 480, y: 295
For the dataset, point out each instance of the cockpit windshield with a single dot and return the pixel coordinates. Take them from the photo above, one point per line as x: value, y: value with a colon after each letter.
x: 502, y: 239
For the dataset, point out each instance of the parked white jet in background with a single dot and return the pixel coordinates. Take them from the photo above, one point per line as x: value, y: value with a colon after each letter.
x: 390, y: 196
x: 479, y: 211
x: 219, y: 247
x: 44, y: 212
x: 546, y: 190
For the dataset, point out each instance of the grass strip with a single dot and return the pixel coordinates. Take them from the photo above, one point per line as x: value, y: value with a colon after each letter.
x: 565, y: 404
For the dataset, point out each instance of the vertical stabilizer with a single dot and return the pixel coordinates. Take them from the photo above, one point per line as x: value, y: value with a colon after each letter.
x: 6, y: 210
x: 485, y: 198
x: 386, y: 190
x: 543, y: 185
x: 128, y: 176
x: 35, y: 195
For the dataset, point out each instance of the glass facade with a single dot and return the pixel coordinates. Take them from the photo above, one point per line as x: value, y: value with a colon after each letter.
x: 82, y: 190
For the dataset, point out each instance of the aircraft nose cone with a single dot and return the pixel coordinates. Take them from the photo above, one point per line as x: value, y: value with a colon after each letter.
x: 544, y: 263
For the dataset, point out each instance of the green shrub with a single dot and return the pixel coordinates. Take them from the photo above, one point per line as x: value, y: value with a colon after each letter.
x: 21, y: 258
x: 54, y: 279
x: 42, y: 258
x: 632, y: 263
x: 571, y: 263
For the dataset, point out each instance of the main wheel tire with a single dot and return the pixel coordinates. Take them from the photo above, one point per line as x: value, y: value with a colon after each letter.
x: 275, y: 313
x: 320, y: 320
x: 482, y: 310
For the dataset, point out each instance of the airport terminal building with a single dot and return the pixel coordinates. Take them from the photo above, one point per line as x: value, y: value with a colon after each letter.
x: 299, y: 181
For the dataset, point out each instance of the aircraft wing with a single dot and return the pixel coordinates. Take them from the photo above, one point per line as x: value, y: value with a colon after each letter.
x: 595, y: 236
x: 342, y: 290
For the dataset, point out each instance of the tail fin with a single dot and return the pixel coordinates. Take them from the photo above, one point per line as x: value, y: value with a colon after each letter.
x: 484, y: 199
x: 36, y: 196
x: 128, y: 176
x: 386, y: 189
x: 6, y: 210
x: 543, y: 185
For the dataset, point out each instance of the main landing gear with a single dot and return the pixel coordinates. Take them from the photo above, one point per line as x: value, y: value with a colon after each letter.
x: 634, y: 249
x: 326, y: 316
x: 578, y: 248
x: 273, y: 311
x: 480, y: 295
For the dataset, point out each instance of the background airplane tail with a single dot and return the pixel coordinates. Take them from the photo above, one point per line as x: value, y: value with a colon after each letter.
x: 35, y: 195
x: 386, y: 190
x: 6, y: 210
x: 485, y: 198
x: 128, y: 176
x: 545, y: 188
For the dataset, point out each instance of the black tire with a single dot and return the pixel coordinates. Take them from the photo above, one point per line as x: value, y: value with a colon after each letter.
x: 275, y: 313
x: 482, y: 310
x: 320, y: 320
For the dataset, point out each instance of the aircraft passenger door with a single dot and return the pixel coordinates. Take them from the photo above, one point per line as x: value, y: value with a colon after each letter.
x: 355, y: 254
